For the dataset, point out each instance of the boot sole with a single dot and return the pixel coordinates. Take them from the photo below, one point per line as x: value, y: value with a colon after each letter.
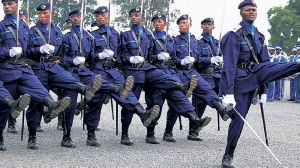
x: 63, y: 106
x: 153, y: 115
x: 128, y: 86
x: 193, y: 84
x: 24, y: 102
x: 96, y: 85
x: 207, y: 121
x: 93, y: 144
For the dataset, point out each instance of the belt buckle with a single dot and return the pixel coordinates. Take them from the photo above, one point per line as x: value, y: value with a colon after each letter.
x: 42, y: 59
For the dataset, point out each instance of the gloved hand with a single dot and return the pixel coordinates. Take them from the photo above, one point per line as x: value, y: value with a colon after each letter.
x: 136, y: 59
x: 263, y: 99
x: 79, y: 60
x: 187, y: 60
x: 15, y: 51
x: 108, y: 53
x: 163, y: 56
x: 216, y: 60
x: 229, y: 99
x: 47, y: 49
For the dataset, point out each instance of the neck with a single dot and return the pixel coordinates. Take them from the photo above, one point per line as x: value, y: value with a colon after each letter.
x: 12, y: 17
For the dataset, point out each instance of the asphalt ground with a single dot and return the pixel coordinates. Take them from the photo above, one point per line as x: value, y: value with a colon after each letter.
x: 282, y: 120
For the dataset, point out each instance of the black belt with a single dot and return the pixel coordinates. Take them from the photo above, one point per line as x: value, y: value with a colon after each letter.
x: 19, y: 61
x: 49, y: 59
x: 243, y: 65
x: 109, y: 64
x: 206, y: 70
x: 184, y: 67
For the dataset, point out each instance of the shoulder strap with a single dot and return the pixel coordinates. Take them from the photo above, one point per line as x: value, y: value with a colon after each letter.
x: 40, y: 33
x: 139, y: 47
x: 159, y: 43
x: 76, y: 37
x: 250, y: 47
x: 12, y: 32
x: 209, y: 47
x: 186, y: 43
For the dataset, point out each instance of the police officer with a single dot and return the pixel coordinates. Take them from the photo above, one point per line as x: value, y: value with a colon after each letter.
x: 279, y: 84
x: 292, y: 79
x: 16, y: 73
x: 297, y: 76
x: 68, y: 23
x: 244, y: 72
x: 270, y: 92
x: 23, y: 14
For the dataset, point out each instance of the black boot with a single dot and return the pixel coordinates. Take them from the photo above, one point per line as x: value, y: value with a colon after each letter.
x: 2, y: 146
x: 198, y: 123
x: 91, y: 138
x: 187, y: 88
x: 39, y: 128
x: 32, y: 139
x: 168, y: 135
x: 147, y: 116
x: 89, y: 90
x: 59, y: 122
x: 150, y: 138
x: 228, y: 157
x: 124, y: 137
x: 67, y: 141
x: 193, y: 135
x: 11, y: 126
x: 16, y: 106
x: 79, y: 107
x: 222, y: 110
x: 54, y: 108
x: 123, y: 90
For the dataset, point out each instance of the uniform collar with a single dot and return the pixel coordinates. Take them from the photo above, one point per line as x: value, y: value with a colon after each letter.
x: 8, y: 21
x: 103, y: 29
x: 159, y: 34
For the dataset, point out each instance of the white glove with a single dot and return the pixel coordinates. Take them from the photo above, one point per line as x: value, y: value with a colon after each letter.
x: 229, y: 99
x: 136, y: 59
x: 216, y: 60
x: 15, y: 51
x: 163, y: 56
x: 263, y: 99
x: 187, y: 60
x: 79, y: 60
x: 47, y: 49
x: 108, y: 53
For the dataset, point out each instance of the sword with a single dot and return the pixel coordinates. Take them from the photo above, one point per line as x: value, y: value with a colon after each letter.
x: 141, y: 25
x: 167, y: 31
x: 51, y: 1
x: 28, y: 18
x: 245, y: 121
x: 263, y: 117
x: 219, y: 44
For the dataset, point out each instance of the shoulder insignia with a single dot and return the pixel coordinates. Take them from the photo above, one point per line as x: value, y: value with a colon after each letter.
x: 31, y: 25
x: 236, y: 28
x: 125, y: 29
x: 66, y: 31
x: 89, y: 34
x: 94, y: 28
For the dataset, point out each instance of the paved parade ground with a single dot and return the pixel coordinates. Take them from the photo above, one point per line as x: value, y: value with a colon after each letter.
x: 282, y: 119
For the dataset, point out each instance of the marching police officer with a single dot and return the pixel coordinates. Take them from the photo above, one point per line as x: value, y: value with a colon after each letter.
x: 270, y: 92
x: 292, y: 79
x: 23, y: 14
x: 246, y: 67
x: 279, y: 84
x: 297, y: 76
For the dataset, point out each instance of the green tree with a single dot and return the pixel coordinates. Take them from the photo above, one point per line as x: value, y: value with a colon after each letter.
x: 150, y: 6
x: 61, y: 9
x: 285, y: 25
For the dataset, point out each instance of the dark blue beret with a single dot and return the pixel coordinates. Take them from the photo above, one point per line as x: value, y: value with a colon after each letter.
x: 183, y: 17
x: 23, y: 12
x: 16, y: 1
x: 43, y: 6
x: 136, y: 10
x: 159, y: 16
x: 68, y: 19
x: 101, y: 9
x: 247, y: 2
x: 208, y: 20
x: 75, y: 11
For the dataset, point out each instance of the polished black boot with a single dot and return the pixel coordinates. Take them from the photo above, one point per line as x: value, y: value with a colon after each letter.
x: 193, y: 135
x: 168, y: 135
x: 147, y: 116
x: 123, y: 90
x: 198, y: 123
x: 188, y: 88
x: 2, y: 146
x: 228, y: 157
x: 11, y: 125
x: 55, y: 107
x: 31, y: 144
x: 124, y: 137
x: 222, y: 110
x: 67, y: 141
x: 150, y: 138
x: 59, y: 122
x: 91, y: 138
x: 16, y: 106
x: 89, y: 90
x: 39, y: 128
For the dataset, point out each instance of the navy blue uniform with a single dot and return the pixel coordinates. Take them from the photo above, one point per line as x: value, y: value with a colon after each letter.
x: 18, y: 79
x: 279, y: 84
x: 292, y: 81
x: 241, y: 77
x: 270, y: 91
x: 297, y: 81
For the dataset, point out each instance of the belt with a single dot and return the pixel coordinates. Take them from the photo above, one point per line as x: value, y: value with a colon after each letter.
x: 244, y: 65
x: 49, y: 59
x: 109, y: 64
x: 184, y: 67
x: 19, y: 61
x: 206, y: 70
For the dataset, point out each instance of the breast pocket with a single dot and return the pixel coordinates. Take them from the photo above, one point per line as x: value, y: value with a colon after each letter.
x: 9, y: 38
x: 58, y: 42
x: 100, y: 42
x: 37, y: 41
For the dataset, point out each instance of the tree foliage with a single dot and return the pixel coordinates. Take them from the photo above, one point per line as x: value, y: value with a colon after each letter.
x: 285, y: 25
x: 61, y: 9
x: 151, y: 7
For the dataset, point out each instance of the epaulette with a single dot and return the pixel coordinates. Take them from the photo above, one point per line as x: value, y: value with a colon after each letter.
x: 150, y: 32
x: 90, y: 33
x: 125, y: 29
x: 94, y: 28
x: 66, y: 31
x: 201, y: 37
x: 58, y: 27
x: 31, y: 25
x: 236, y: 28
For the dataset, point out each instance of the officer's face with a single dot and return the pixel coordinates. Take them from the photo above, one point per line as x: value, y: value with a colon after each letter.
x: 184, y: 26
x: 298, y: 52
x: 249, y: 13
x: 68, y: 24
x: 271, y: 52
x: 102, y: 19
x: 23, y: 17
x: 75, y: 19
x: 135, y: 18
x: 278, y: 51
x: 159, y: 25
x: 10, y: 8
x: 207, y: 28
x: 44, y: 16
